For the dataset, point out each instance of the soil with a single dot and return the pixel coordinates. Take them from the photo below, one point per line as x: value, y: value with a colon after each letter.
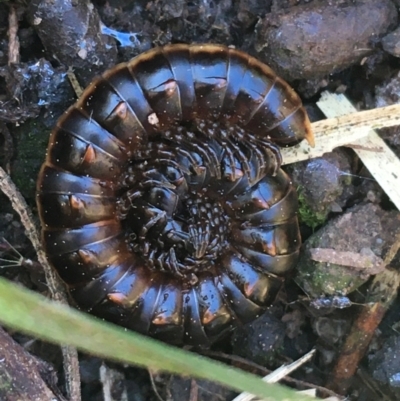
x: 343, y: 46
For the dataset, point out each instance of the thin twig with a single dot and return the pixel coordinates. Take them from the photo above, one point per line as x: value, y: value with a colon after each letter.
x: 74, y: 83
x: 106, y: 383
x: 154, y: 385
x: 19, y: 205
x: 71, y: 372
x: 13, y: 41
x: 57, y: 290
x: 278, y: 375
x: 111, y: 380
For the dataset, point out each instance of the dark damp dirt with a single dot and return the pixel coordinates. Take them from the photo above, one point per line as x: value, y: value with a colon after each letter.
x: 348, y: 47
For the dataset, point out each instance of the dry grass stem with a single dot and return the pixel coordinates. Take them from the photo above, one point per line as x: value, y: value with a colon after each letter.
x: 347, y: 127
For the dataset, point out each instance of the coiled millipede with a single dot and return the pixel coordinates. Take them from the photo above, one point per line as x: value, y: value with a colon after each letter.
x: 162, y: 201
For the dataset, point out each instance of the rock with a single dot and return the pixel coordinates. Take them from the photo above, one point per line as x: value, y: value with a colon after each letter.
x: 386, y: 94
x: 183, y: 388
x: 330, y: 329
x: 39, y: 93
x: 322, y: 37
x: 323, y: 184
x: 363, y: 229
x: 385, y: 366
x: 259, y: 340
x: 160, y: 22
x: 391, y: 43
x: 71, y: 32
x: 24, y: 377
x: 34, y: 87
x: 249, y: 11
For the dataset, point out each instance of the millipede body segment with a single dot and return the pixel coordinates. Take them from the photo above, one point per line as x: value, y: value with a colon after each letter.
x: 162, y: 201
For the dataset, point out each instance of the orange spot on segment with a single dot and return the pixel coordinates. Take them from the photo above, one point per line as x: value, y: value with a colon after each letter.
x: 270, y: 249
x: 90, y: 155
x: 221, y: 83
x: 208, y: 317
x: 117, y: 297
x: 161, y: 319
x: 260, y: 202
x: 86, y: 256
x: 75, y: 202
x: 170, y: 87
x: 179, y: 181
x: 248, y: 289
x: 238, y: 173
x: 121, y: 110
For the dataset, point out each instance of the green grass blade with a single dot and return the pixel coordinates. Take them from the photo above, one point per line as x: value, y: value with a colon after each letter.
x: 34, y: 314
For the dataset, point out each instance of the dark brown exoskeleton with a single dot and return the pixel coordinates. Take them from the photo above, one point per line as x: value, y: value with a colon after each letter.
x: 162, y: 202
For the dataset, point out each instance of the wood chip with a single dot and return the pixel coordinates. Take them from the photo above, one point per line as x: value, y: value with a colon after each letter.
x: 347, y: 127
x: 365, y: 262
x: 341, y: 130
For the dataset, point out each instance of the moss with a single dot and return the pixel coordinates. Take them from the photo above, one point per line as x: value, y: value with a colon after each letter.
x: 6, y: 382
x: 326, y: 279
x: 31, y: 146
x: 306, y: 214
